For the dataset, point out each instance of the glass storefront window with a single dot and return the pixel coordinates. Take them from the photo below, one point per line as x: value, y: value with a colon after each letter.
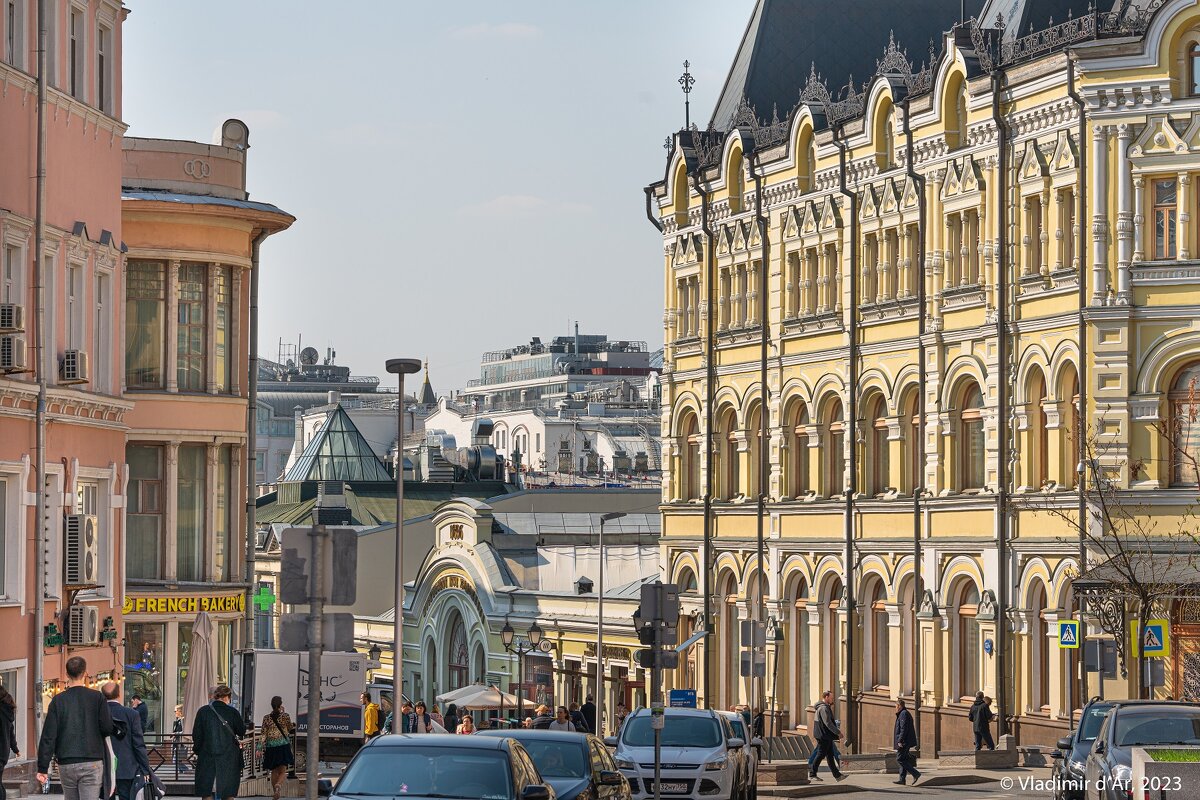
x: 144, y: 650
x: 183, y: 659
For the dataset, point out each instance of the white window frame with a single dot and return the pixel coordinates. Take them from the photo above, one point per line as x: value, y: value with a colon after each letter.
x: 104, y: 83
x: 14, y: 35
x: 103, y: 312
x: 14, y: 510
x: 20, y: 693
x: 100, y: 504
x: 75, y: 301
x: 49, y: 258
x: 76, y: 83
x: 12, y: 287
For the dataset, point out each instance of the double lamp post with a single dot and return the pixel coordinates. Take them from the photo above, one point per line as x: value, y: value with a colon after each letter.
x: 533, y: 638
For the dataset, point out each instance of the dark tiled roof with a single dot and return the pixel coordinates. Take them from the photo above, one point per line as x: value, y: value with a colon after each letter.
x: 372, y: 504
x: 842, y: 39
x: 1022, y: 17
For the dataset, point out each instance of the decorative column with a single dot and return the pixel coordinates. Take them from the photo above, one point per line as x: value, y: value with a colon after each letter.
x: 790, y: 286
x: 1057, y: 699
x: 212, y: 453
x: 929, y: 681
x: 170, y: 531
x: 172, y: 375
x: 694, y: 307
x: 896, y: 656
x: 1139, y: 218
x: 904, y: 282
x: 865, y: 295
x: 1099, y: 214
x: 1185, y: 216
x: 1124, y: 213
x: 724, y: 286
x: 817, y: 436
x: 752, y: 293
x: 1059, y: 220
x: 240, y: 368
x: 1043, y: 237
x: 1027, y: 238
x: 1056, y: 459
x: 948, y: 257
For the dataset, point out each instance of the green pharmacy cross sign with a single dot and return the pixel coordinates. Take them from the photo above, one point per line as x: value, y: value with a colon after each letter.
x: 264, y: 598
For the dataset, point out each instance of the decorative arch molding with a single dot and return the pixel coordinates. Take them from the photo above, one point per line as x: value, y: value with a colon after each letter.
x: 827, y: 570
x: 1064, y: 574
x: 795, y: 572
x: 1033, y: 357
x: 874, y: 567
x: 1164, y: 358
x: 1035, y: 571
x: 796, y: 389
x: 876, y: 379
x: 686, y: 560
x: 958, y: 569
x: 959, y: 370
x: 725, y: 397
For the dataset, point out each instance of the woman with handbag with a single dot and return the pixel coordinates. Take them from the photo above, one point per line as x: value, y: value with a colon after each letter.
x: 277, y: 730
x: 217, y: 741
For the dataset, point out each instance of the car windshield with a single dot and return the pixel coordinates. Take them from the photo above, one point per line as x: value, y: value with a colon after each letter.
x: 1160, y: 726
x: 558, y: 759
x: 1089, y: 727
x: 678, y: 731
x: 446, y: 772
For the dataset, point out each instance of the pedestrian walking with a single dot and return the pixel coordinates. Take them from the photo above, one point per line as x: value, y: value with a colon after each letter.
x: 543, y: 719
x: 562, y: 721
x: 757, y: 724
x: 437, y: 715
x: 143, y: 710
x: 588, y: 710
x: 577, y: 718
x: 178, y: 756
x: 277, y: 731
x: 825, y: 731
x: 467, y: 726
x: 8, y: 732
x: 371, y: 727
x: 217, y: 742
x: 73, y: 733
x: 622, y: 713
x: 405, y: 717
x: 128, y: 743
x: 981, y: 716
x: 419, y: 720
x: 905, y: 734
x: 452, y: 718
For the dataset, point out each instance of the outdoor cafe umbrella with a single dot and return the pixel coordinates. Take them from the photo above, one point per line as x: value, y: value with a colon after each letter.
x: 200, y: 672
x: 483, y: 697
x: 455, y: 695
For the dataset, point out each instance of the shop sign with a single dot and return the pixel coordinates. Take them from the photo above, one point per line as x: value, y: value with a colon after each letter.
x: 185, y: 604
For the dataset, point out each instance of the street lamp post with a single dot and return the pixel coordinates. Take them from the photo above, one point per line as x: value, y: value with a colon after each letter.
x: 399, y: 367
x: 521, y: 648
x: 600, y: 627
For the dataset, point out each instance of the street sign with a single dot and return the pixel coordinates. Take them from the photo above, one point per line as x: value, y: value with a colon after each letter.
x: 341, y: 567
x: 754, y: 633
x: 683, y: 698
x: 1100, y: 655
x: 337, y: 632
x: 1155, y: 641
x: 1068, y: 634
x: 754, y: 664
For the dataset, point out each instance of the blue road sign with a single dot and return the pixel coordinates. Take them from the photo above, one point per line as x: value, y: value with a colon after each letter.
x: 683, y: 698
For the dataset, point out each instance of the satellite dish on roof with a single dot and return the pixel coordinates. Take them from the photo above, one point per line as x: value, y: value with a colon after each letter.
x: 309, y: 356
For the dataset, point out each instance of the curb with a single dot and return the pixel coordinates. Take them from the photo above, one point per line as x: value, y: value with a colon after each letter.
x: 932, y: 781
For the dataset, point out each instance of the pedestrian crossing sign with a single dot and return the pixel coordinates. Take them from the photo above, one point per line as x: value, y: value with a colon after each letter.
x: 1155, y: 641
x: 1068, y: 634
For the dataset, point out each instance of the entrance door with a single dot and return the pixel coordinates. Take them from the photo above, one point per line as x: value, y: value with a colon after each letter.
x: 1186, y: 658
x: 459, y: 660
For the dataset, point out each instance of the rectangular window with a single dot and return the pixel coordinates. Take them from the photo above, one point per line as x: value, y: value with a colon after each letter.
x: 145, y: 647
x: 5, y: 545
x: 1165, y: 209
x: 260, y: 466
x: 223, y: 354
x: 145, y: 512
x: 104, y: 69
x: 145, y: 313
x: 100, y: 337
x: 75, y: 307
x: 10, y: 288
x: 191, y: 294
x: 12, y: 34
x: 222, y: 517
x: 192, y: 501
x: 12, y: 678
x: 76, y: 58
x: 264, y: 622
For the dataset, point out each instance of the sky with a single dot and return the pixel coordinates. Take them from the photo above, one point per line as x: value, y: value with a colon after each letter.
x: 465, y: 175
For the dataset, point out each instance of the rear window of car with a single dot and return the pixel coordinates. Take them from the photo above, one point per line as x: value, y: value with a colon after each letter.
x: 444, y: 771
x: 558, y: 759
x: 1093, y: 718
x: 1158, y: 726
x: 678, y: 731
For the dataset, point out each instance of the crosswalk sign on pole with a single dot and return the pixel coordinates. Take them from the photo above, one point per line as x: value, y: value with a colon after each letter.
x: 1068, y: 634
x: 1155, y: 641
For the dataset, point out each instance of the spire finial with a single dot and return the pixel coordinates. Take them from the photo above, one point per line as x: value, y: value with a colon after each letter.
x: 686, y: 81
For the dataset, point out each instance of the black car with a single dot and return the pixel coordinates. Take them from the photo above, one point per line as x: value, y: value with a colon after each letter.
x: 1072, y: 753
x: 577, y: 765
x: 442, y: 766
x: 1138, y: 724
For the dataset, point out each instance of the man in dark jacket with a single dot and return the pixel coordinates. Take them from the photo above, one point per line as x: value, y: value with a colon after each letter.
x: 216, y: 739
x: 981, y: 716
x: 74, y: 731
x: 8, y: 732
x: 143, y: 710
x: 825, y: 731
x: 543, y: 719
x: 130, y: 749
x: 588, y: 710
x: 578, y: 720
x: 906, y: 739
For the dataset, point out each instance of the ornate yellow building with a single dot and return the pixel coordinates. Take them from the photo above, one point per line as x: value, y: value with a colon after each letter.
x: 931, y: 273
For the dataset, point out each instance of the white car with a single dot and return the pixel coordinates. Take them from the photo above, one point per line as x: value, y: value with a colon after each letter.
x: 701, y: 758
x: 749, y: 753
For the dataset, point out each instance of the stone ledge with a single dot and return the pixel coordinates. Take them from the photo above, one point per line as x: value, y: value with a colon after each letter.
x: 788, y: 773
x: 979, y: 759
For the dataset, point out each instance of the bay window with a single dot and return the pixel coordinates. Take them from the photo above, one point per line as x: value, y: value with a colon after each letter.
x: 143, y: 550
x: 192, y: 504
x: 223, y: 357
x: 145, y: 315
x: 191, y: 294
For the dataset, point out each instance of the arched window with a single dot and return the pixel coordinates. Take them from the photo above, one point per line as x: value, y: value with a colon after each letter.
x: 459, y: 659
x: 800, y: 658
x: 1070, y: 432
x: 688, y: 446
x: 729, y: 646
x: 885, y: 136
x: 831, y: 636
x: 966, y: 600
x: 754, y: 435
x: 735, y: 181
x: 835, y: 456
x: 1193, y: 65
x: 1038, y: 458
x: 726, y: 440
x: 972, y: 445
x: 1039, y: 651
x: 956, y: 113
x: 877, y: 456
x: 806, y: 160
x: 907, y: 610
x: 796, y: 432
x: 914, y: 467
x: 681, y: 195
x: 1185, y: 426
x: 878, y: 642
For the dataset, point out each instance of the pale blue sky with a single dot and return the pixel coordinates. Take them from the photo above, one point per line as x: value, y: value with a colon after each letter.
x: 476, y: 167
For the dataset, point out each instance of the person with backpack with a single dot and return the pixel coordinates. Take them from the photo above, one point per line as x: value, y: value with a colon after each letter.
x: 577, y: 719
x: 371, y: 727
x: 128, y: 744
x: 981, y: 716
x: 217, y: 742
x: 825, y: 731
x: 277, y: 729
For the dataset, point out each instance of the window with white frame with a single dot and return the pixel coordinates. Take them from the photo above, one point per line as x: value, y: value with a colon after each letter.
x: 14, y: 25
x: 101, y: 347
x: 89, y: 500
x: 104, y: 69
x: 75, y: 307
x: 51, y: 351
x: 6, y: 547
x: 11, y: 273
x: 12, y: 678
x: 76, y: 52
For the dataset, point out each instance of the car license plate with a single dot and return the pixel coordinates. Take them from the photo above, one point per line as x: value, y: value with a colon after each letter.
x: 668, y: 788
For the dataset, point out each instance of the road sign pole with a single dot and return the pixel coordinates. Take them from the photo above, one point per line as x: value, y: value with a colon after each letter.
x: 315, y: 648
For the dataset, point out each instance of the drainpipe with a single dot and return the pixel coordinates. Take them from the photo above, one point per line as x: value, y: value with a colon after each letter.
x: 1002, y: 466
x: 764, y: 463
x: 650, y: 215
x: 919, y: 437
x: 252, y: 440
x: 1081, y: 373
x: 851, y: 425
x: 710, y: 376
x: 39, y: 526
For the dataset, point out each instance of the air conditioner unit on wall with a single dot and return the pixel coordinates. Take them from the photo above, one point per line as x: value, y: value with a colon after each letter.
x: 81, y: 563
x: 12, y: 354
x: 74, y: 367
x: 12, y: 318
x: 83, y: 626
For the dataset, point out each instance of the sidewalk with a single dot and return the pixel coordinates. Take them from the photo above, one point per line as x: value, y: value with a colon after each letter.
x: 932, y: 775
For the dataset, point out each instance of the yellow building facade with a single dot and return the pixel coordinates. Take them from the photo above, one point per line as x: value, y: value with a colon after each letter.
x: 970, y: 277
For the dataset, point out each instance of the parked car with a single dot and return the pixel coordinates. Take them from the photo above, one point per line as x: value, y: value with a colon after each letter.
x: 577, y: 765
x: 1071, y: 756
x: 441, y: 766
x: 700, y: 757
x: 749, y: 754
x: 1129, y: 725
